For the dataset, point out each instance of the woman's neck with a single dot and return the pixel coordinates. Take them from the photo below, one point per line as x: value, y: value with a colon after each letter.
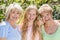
x: 50, y: 26
x: 12, y: 23
x: 50, y: 23
x: 30, y: 23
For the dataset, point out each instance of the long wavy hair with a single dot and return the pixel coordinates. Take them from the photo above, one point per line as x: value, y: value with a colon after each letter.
x: 25, y: 25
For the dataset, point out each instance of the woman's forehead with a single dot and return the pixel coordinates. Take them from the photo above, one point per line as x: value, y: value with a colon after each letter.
x: 14, y: 9
x: 43, y: 14
x: 32, y: 9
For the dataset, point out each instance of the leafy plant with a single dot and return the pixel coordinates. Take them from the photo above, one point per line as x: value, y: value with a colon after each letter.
x: 55, y: 4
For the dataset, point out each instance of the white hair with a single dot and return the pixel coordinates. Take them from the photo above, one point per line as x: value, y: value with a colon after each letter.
x: 45, y: 7
x: 10, y: 7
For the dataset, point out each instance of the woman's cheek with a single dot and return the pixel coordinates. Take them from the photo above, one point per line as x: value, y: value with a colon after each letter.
x: 11, y: 16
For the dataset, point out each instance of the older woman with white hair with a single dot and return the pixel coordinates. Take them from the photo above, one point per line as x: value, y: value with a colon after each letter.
x: 9, y: 30
x: 51, y: 28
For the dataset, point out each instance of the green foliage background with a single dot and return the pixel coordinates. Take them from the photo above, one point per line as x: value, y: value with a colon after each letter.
x: 55, y: 4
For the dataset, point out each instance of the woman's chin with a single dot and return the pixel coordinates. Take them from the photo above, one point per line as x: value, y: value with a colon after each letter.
x: 14, y: 21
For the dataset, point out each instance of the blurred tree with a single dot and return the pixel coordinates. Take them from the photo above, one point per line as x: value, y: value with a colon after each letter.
x: 55, y: 4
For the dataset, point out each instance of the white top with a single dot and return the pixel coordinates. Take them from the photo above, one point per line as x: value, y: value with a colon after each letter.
x: 29, y: 33
x: 36, y: 37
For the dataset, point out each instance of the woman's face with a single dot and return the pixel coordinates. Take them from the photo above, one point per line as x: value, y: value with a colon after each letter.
x: 14, y: 15
x: 46, y: 16
x: 31, y: 15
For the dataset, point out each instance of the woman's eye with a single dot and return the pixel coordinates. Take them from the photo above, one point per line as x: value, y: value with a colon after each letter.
x: 33, y: 14
x: 13, y: 12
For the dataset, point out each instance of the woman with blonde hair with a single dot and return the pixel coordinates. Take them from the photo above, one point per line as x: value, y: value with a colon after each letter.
x: 30, y: 30
x: 9, y: 29
x: 51, y: 28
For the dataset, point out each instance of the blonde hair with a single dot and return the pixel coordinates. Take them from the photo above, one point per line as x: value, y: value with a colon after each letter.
x: 32, y: 7
x: 25, y: 23
x: 10, y: 7
x: 46, y: 8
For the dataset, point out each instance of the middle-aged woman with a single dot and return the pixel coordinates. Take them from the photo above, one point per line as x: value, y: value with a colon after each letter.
x: 51, y: 28
x: 9, y: 29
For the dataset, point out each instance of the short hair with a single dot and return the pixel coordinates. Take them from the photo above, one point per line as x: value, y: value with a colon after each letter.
x: 10, y: 7
x: 46, y: 8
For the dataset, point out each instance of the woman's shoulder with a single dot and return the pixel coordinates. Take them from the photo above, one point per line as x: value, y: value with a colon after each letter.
x: 2, y: 28
x: 3, y: 23
x: 57, y: 22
